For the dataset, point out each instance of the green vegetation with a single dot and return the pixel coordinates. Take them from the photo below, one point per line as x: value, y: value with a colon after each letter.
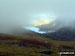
x: 19, y: 45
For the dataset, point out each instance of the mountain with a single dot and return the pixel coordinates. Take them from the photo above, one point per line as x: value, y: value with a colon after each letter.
x: 51, y: 27
x: 63, y: 34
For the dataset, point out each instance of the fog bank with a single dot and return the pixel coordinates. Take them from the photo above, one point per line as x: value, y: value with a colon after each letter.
x: 16, y: 14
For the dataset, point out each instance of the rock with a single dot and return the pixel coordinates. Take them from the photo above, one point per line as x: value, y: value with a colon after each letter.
x: 47, y: 52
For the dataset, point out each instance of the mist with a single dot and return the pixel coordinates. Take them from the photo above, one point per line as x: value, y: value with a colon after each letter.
x: 16, y: 14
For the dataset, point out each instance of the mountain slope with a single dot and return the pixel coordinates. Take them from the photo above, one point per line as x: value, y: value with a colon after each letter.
x: 25, y: 32
x: 20, y: 45
x: 63, y: 34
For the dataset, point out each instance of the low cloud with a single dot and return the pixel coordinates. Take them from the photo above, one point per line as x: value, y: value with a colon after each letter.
x: 15, y: 14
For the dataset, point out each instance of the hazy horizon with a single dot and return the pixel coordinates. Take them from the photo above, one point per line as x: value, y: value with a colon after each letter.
x: 16, y: 14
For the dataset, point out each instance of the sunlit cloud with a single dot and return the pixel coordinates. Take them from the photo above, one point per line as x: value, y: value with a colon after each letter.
x: 43, y: 21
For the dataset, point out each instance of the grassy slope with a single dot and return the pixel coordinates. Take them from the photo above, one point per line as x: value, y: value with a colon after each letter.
x: 29, y: 45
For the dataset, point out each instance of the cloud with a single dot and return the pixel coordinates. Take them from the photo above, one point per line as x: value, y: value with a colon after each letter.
x: 43, y: 21
x: 19, y: 13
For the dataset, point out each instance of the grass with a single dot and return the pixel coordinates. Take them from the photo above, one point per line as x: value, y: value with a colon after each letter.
x: 19, y: 45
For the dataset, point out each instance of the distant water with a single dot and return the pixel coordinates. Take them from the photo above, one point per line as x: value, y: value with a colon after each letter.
x: 35, y: 29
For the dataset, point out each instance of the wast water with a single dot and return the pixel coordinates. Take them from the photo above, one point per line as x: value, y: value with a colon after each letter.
x: 35, y: 29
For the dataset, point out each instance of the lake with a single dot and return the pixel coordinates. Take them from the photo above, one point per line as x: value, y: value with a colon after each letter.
x: 35, y: 29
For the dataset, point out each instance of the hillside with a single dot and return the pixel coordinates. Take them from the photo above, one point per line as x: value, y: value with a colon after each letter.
x: 19, y: 45
x: 62, y: 34
x: 25, y: 32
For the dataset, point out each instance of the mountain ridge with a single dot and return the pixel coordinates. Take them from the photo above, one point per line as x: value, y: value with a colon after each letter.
x: 62, y: 34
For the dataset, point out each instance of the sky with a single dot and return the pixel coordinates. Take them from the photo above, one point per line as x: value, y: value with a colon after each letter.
x: 16, y: 14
